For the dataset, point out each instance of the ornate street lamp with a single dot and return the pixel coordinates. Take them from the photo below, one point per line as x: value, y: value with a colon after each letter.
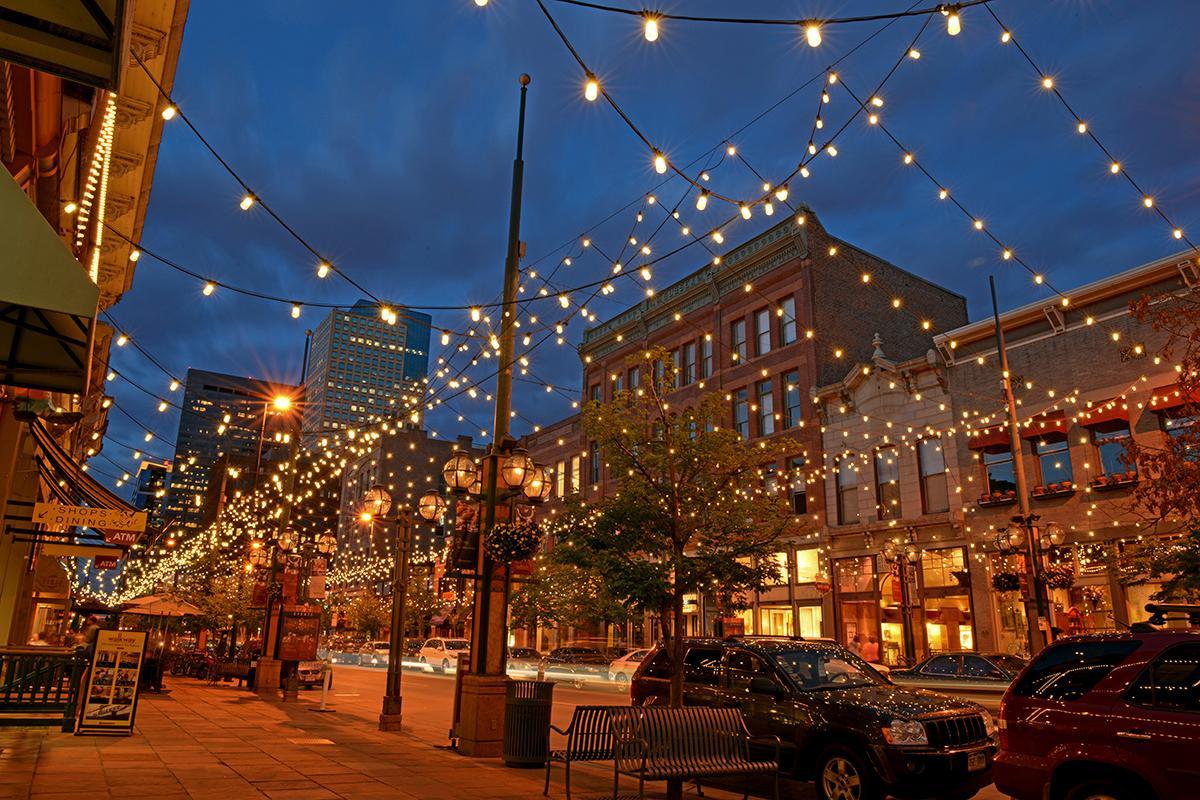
x: 460, y: 472
x: 904, y: 560
x: 517, y: 468
x: 377, y: 501
x: 431, y: 505
x: 285, y: 541
x: 326, y: 544
x: 537, y: 487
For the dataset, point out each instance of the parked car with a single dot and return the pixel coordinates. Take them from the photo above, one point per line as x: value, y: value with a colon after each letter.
x: 842, y: 724
x: 374, y: 654
x: 523, y: 660
x: 1113, y: 716
x: 576, y: 665
x: 311, y: 673
x: 982, y: 677
x: 338, y: 657
x: 442, y: 653
x: 622, y: 669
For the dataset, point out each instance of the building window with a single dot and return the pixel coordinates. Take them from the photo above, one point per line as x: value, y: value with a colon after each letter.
x: 689, y: 364
x: 575, y: 476
x: 762, y: 332
x: 808, y: 565
x: 998, y: 471
x: 798, y: 484
x: 560, y: 479
x: 618, y: 384
x: 846, y: 479
x: 792, y: 410
x: 931, y: 460
x: 780, y: 562
x: 1111, y: 445
x: 766, y: 408
x: 1180, y: 426
x: 737, y: 341
x: 635, y: 379
x: 594, y: 463
x: 594, y: 393
x: 787, y: 322
x: 741, y: 413
x: 1054, y: 460
x: 706, y: 361
x: 887, y: 483
x: 676, y: 370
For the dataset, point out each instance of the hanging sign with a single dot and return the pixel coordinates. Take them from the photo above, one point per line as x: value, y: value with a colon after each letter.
x: 316, y: 579
x: 105, y: 562
x: 82, y: 516
x: 123, y: 538
x: 112, y: 685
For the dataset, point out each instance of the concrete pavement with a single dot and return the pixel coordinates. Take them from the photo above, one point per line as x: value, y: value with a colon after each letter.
x: 202, y: 742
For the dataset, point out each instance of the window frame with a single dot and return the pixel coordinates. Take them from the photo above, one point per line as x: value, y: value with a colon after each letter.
x: 764, y: 394
x: 882, y: 509
x: 925, y: 477
x: 1064, y: 452
x: 737, y: 342
x: 741, y: 408
x: 840, y: 491
x: 706, y: 358
x: 688, y: 375
x: 789, y: 421
x: 762, y: 332
x: 788, y: 322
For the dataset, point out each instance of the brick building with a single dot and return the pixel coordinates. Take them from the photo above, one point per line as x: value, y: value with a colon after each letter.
x: 765, y: 325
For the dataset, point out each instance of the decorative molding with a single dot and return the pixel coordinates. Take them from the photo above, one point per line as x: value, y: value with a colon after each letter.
x: 124, y: 162
x: 131, y: 111
x: 118, y: 205
x: 146, y: 42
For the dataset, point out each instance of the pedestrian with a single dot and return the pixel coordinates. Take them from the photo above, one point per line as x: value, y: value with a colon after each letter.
x: 870, y: 650
x: 37, y: 641
x: 90, y: 628
x: 856, y: 644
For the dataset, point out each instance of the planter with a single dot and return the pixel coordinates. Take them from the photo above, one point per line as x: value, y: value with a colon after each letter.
x: 1006, y: 581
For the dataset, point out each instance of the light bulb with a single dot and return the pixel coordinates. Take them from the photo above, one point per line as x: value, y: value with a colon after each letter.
x: 1148, y: 201
x: 781, y: 194
x: 978, y: 224
x: 169, y: 111
x: 660, y: 163
x: 1114, y: 168
x: 564, y: 301
x: 717, y: 237
x: 209, y: 288
x: 135, y: 254
x: 833, y: 151
x: 812, y: 32
x: 247, y: 201
x: 445, y: 338
x: 768, y: 208
x: 953, y: 23
x: 646, y: 273
x: 1005, y: 37
x: 71, y: 207
x: 481, y: 3
x: 591, y: 90
x: 323, y: 269
x: 1081, y: 127
x: 475, y: 315
x: 908, y: 159
x: 651, y: 29
x: 914, y: 54
x: 1047, y: 82
x: 877, y: 101
x: 804, y: 173
x: 745, y: 210
x: 174, y: 385
x: 295, y: 310
x: 1177, y: 233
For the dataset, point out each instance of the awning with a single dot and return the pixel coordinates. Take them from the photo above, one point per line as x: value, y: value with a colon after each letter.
x: 71, y: 483
x: 47, y: 302
x: 82, y: 40
x: 1054, y: 422
x: 989, y: 439
x: 1171, y: 396
x: 1105, y: 416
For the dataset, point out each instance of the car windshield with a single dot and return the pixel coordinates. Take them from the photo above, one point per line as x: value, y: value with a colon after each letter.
x: 456, y: 644
x: 1011, y: 664
x: 817, y: 669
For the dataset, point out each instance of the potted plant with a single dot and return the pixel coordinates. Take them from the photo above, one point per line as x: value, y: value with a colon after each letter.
x: 1006, y: 581
x: 962, y: 577
x: 513, y: 541
x: 1060, y: 576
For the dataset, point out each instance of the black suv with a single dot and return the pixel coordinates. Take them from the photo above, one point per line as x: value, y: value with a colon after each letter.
x: 842, y: 724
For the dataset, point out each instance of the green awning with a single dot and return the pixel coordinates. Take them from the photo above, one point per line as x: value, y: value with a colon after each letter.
x: 47, y: 301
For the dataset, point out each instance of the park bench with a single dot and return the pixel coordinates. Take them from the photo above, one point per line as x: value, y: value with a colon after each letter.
x: 589, y: 738
x: 654, y: 743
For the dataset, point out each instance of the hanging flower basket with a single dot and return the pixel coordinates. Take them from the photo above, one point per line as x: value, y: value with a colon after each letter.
x: 1060, y: 577
x: 1006, y: 581
x: 509, y: 542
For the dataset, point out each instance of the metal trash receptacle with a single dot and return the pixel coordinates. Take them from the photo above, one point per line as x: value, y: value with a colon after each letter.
x: 527, y: 706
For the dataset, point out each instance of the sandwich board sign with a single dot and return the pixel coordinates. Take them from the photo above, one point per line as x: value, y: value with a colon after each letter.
x: 112, y: 682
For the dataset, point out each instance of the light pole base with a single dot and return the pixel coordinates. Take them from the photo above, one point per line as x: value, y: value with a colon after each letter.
x: 389, y: 719
x: 266, y: 675
x: 480, y: 728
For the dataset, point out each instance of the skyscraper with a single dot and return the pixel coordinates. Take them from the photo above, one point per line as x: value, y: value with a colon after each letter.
x: 362, y: 369
x: 151, y: 489
x: 224, y: 415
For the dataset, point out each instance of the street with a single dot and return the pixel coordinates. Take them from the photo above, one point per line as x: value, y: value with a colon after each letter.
x: 429, y: 700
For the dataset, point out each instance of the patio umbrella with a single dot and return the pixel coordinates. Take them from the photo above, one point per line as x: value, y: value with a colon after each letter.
x: 161, y: 605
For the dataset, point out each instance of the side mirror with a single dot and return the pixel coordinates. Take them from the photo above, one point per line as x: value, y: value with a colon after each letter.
x: 761, y: 685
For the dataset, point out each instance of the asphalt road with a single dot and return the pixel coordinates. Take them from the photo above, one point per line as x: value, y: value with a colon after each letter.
x: 429, y: 703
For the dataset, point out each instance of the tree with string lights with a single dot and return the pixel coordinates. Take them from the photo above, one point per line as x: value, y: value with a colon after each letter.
x: 691, y: 511
x: 565, y: 595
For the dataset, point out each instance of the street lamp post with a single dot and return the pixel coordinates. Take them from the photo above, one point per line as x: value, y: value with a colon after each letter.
x: 377, y: 503
x: 904, y: 559
x: 1023, y: 535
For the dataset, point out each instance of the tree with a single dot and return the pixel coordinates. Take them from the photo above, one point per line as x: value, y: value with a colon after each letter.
x: 565, y: 595
x: 368, y: 615
x: 1174, y: 562
x: 690, y: 513
x: 421, y: 601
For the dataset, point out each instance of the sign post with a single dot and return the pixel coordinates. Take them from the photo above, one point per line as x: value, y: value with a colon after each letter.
x: 110, y: 702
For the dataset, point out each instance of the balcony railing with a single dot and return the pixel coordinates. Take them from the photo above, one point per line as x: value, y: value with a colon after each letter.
x: 37, y: 683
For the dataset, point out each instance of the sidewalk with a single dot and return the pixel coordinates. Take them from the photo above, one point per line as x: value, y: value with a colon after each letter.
x: 207, y: 743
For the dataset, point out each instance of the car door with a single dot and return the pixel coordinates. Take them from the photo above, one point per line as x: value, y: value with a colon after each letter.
x: 702, y: 676
x: 746, y: 681
x: 981, y: 680
x: 1158, y: 719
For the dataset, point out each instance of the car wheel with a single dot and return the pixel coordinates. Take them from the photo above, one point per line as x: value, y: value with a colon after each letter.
x: 1098, y: 790
x: 842, y: 775
x: 445, y: 665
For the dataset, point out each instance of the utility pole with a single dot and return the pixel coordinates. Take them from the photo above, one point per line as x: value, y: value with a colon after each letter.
x: 1035, y: 611
x: 480, y: 722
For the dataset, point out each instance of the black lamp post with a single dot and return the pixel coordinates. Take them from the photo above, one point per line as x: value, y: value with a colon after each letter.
x: 378, y: 506
x: 1023, y: 535
x: 904, y: 559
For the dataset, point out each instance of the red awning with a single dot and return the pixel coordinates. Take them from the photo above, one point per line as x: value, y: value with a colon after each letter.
x: 1107, y: 415
x: 1171, y: 396
x: 1054, y: 422
x: 989, y: 438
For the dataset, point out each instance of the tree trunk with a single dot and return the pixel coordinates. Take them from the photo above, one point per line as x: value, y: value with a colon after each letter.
x: 675, y: 785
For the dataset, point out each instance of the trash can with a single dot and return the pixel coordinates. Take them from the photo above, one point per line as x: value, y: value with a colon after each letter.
x: 527, y: 707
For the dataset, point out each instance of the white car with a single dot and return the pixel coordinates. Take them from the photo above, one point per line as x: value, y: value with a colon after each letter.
x: 622, y: 669
x: 443, y: 654
x: 374, y: 654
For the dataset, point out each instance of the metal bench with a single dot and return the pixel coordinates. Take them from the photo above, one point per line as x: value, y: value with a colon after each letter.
x: 589, y: 738
x: 657, y: 743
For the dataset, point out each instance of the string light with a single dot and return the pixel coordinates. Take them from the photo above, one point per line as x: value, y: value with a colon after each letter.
x: 660, y: 163
x: 953, y: 22
x: 295, y: 310
x: 209, y: 288
x: 591, y: 89
x: 812, y: 33
x: 169, y: 111
x: 247, y: 201
x: 323, y: 269
x: 650, y: 29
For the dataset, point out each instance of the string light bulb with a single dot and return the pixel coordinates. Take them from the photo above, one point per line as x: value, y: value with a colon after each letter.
x: 660, y: 163
x: 295, y: 311
x: 702, y: 201
x: 323, y: 269
x: 781, y: 194
x: 134, y: 255
x: 1114, y: 167
x: 812, y: 34
x: 591, y: 89
x: 745, y: 211
x: 445, y: 338
x: 247, y: 201
x: 953, y: 22
x: 1005, y: 37
x: 914, y: 54
x: 169, y: 111
x: 650, y: 28
x: 481, y: 3
x: 475, y: 314
x: 209, y: 288
x: 1047, y: 82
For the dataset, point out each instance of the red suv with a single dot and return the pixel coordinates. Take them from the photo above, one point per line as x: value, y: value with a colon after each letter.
x: 1105, y: 717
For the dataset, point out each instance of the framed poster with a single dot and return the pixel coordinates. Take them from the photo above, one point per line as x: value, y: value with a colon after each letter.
x: 110, y: 701
x: 300, y: 633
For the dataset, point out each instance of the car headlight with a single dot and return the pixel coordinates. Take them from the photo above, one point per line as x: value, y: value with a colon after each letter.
x: 989, y: 723
x: 905, y: 732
